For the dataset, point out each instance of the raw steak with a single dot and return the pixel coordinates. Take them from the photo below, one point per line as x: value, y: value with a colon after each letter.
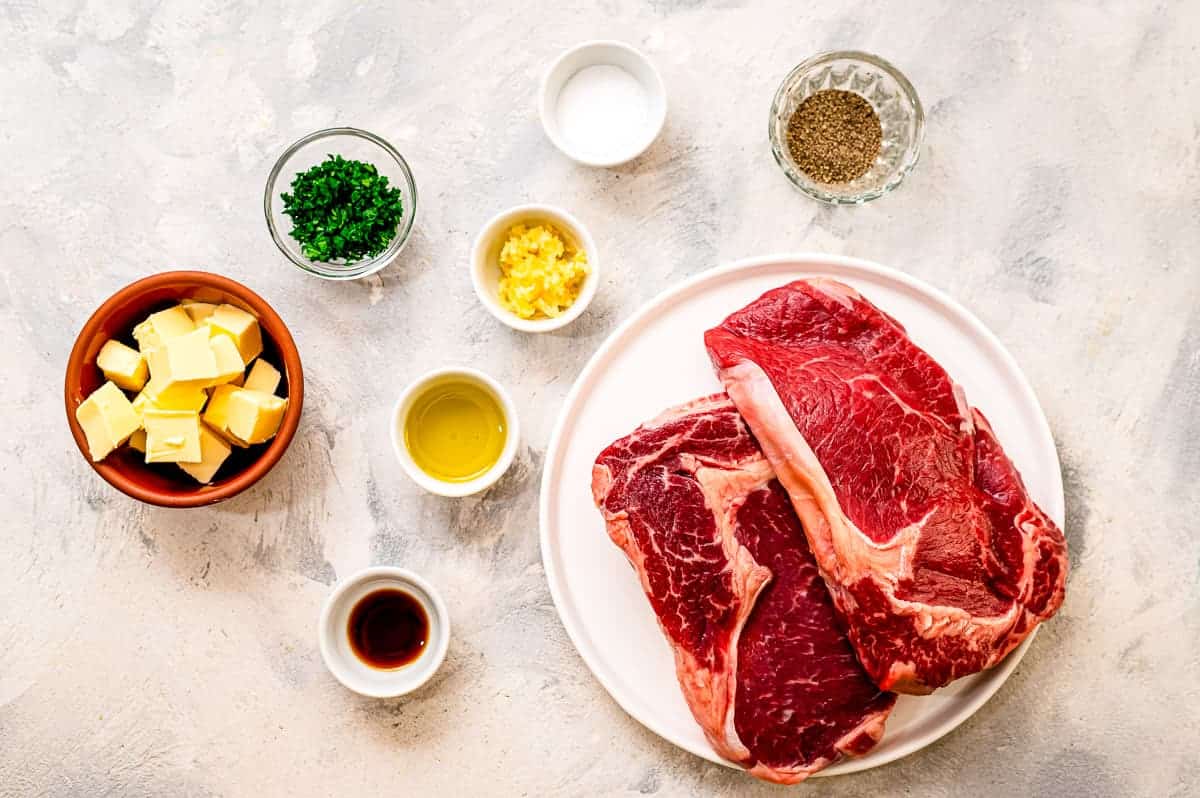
x: 719, y: 551
x: 936, y: 557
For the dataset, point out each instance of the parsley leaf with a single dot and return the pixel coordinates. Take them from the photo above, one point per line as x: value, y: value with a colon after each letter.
x: 343, y: 210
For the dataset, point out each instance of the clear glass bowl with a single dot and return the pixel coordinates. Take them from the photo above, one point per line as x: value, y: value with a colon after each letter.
x: 352, y: 144
x: 895, y: 102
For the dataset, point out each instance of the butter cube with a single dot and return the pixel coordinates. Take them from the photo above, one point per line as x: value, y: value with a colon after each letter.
x: 158, y: 328
x: 241, y: 327
x: 186, y: 360
x: 229, y: 360
x: 198, y: 311
x: 178, y: 397
x: 172, y: 436
x: 213, y: 451
x: 138, y: 440
x: 139, y: 404
x: 216, y: 415
x: 123, y: 365
x: 107, y: 419
x: 262, y: 377
x: 254, y: 416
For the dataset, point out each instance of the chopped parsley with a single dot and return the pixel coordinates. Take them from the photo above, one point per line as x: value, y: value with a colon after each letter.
x: 343, y: 210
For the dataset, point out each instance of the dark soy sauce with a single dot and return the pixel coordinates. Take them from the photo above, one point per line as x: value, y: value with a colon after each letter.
x: 388, y: 628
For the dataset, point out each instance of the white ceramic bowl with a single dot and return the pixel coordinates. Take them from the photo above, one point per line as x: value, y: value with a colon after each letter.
x: 485, y: 263
x: 482, y: 482
x: 334, y: 637
x: 607, y: 53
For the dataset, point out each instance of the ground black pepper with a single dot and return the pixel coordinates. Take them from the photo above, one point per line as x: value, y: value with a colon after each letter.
x: 834, y: 136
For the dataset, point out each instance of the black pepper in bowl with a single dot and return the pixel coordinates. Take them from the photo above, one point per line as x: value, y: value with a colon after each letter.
x: 834, y: 136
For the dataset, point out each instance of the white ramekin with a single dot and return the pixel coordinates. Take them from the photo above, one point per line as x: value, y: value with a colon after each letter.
x: 485, y: 263
x: 596, y: 53
x: 485, y: 480
x: 333, y: 634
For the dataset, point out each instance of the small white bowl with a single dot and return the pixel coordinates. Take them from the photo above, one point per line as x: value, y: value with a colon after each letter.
x: 333, y: 633
x: 602, y: 53
x: 485, y: 480
x: 485, y: 263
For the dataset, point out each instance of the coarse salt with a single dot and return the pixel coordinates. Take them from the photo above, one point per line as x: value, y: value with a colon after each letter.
x: 603, y: 112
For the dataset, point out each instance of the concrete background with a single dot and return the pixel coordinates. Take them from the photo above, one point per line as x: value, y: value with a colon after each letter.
x: 151, y: 652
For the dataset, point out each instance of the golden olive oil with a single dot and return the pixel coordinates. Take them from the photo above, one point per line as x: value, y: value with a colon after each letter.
x: 455, y: 430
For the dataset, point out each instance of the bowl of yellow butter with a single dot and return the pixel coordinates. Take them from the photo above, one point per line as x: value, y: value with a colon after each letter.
x: 183, y: 389
x: 535, y: 267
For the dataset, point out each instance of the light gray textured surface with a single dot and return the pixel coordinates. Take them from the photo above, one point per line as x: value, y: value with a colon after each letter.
x: 152, y: 652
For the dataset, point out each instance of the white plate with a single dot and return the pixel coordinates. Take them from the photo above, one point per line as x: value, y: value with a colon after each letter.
x: 657, y: 359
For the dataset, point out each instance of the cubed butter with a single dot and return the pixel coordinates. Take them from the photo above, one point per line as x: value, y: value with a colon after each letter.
x: 140, y: 403
x: 138, y: 440
x: 123, y: 365
x: 160, y: 327
x: 172, y: 436
x: 107, y: 419
x: 198, y: 311
x: 262, y: 377
x: 213, y: 451
x: 229, y: 360
x: 254, y: 416
x: 186, y: 360
x: 179, y: 397
x: 241, y: 327
x: 216, y: 415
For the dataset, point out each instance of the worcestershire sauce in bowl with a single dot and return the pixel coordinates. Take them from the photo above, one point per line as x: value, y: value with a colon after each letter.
x: 388, y: 629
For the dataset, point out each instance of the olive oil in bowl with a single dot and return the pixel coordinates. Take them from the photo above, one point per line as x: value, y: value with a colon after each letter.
x: 455, y: 430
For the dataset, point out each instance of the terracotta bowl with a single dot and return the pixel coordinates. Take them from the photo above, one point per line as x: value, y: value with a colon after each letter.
x: 163, y: 484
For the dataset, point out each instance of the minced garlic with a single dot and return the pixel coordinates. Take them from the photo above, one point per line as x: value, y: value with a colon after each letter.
x: 541, y: 272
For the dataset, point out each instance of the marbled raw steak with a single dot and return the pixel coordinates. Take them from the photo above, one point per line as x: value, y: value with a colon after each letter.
x: 721, y: 556
x: 936, y: 557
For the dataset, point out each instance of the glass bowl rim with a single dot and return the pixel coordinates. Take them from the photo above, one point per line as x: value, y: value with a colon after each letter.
x: 914, y: 151
x: 361, y: 268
